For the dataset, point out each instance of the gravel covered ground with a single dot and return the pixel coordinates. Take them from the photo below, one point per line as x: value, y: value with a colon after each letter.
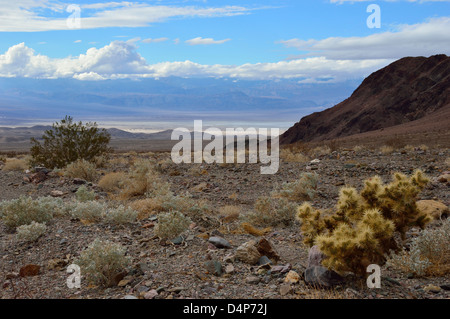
x: 166, y: 270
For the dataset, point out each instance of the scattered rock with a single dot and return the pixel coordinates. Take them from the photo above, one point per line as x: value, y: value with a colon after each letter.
x: 322, y: 277
x: 177, y: 241
x: 229, y: 269
x: 285, y: 289
x: 265, y: 248
x: 432, y: 288
x: 79, y: 181
x: 264, y: 261
x: 38, y: 177
x: 56, y: 264
x: 214, y: 267
x: 445, y: 287
x: 219, y: 242
x: 292, y: 277
x: 124, y: 282
x: 130, y: 297
x: 248, y: 253
x: 281, y: 269
x: 253, y: 280
x: 150, y: 294
x: 29, y: 270
x: 56, y: 193
x: 444, y: 178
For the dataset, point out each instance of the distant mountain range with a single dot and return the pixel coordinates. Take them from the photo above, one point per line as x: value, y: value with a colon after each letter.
x: 165, y: 99
x: 411, y: 95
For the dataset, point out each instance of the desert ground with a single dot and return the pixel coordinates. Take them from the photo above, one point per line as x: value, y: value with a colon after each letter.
x: 195, y: 265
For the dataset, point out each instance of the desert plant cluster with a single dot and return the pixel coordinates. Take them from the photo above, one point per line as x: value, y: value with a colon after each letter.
x: 353, y: 226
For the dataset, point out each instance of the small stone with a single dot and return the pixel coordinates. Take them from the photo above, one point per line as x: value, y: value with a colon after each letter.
x: 285, y: 289
x: 150, y: 294
x: 321, y: 276
x: 248, y: 253
x: 177, y: 241
x: 445, y: 287
x: 56, y: 193
x: 214, y: 267
x: 79, y: 181
x: 315, y: 161
x: 229, y: 269
x: 176, y: 290
x: 280, y: 269
x: 265, y: 248
x: 130, y: 297
x: 123, y: 282
x: 29, y: 270
x: 292, y: 277
x: 264, y: 261
x: 219, y: 242
x: 253, y: 280
x: 445, y: 178
x: 56, y: 264
x: 432, y: 288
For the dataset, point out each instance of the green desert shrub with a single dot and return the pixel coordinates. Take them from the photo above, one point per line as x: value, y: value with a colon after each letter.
x: 23, y: 211
x: 81, y: 169
x: 428, y: 253
x: 102, y: 261
x: 89, y: 211
x: 121, y: 215
x: 68, y: 142
x: 84, y: 195
x: 31, y: 232
x: 171, y: 224
x: 360, y: 231
x: 272, y: 211
x: 304, y: 188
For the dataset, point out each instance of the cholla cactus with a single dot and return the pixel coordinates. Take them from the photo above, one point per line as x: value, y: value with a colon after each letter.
x: 360, y: 232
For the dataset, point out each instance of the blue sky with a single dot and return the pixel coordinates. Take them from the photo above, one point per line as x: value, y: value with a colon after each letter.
x: 242, y: 39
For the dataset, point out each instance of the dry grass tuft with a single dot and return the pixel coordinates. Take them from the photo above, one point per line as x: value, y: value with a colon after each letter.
x: 112, y: 181
x: 15, y: 164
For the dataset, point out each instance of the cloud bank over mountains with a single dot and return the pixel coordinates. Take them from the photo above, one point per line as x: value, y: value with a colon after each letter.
x: 120, y: 60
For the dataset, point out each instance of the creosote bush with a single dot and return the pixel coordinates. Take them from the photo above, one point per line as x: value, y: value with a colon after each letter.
x: 171, y: 224
x: 68, y: 142
x: 31, y: 232
x: 361, y: 229
x: 102, y: 261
